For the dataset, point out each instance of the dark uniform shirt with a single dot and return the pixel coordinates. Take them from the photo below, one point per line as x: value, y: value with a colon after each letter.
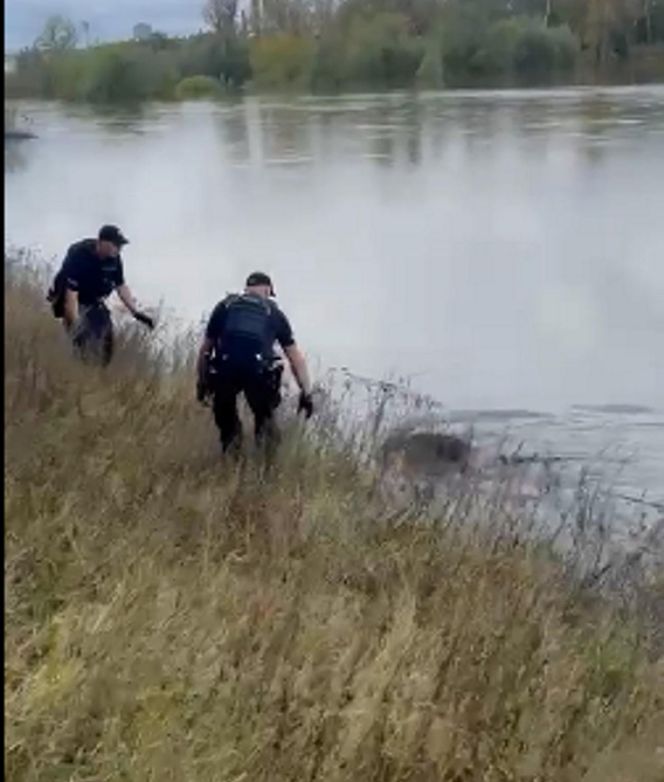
x: 92, y: 277
x: 279, y: 328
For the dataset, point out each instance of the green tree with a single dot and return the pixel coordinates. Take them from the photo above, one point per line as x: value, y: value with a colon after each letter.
x: 381, y: 50
x: 608, y: 25
x: 59, y: 34
x: 282, y: 60
x: 288, y: 16
x: 539, y: 50
x: 464, y: 30
x: 220, y: 15
x: 422, y: 15
x: 85, y: 29
x: 497, y: 53
x: 430, y: 72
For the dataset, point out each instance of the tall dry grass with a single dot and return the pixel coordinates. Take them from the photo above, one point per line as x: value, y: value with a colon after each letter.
x: 172, y: 617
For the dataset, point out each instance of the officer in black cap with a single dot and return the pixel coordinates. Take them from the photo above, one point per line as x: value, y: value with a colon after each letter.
x: 91, y: 271
x: 237, y: 355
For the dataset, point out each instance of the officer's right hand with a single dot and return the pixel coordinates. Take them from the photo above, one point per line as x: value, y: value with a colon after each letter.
x: 306, y: 405
x: 77, y: 331
x: 145, y: 319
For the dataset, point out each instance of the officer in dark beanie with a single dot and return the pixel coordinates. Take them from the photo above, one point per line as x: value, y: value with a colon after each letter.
x: 91, y: 271
x: 238, y: 354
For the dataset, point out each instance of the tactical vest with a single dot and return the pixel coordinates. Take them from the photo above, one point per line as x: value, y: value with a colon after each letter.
x: 248, y: 337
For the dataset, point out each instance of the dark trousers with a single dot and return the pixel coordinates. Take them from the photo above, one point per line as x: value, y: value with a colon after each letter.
x: 262, y: 394
x: 92, y: 334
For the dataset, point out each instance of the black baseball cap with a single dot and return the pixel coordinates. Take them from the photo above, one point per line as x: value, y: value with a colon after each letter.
x: 112, y: 234
x: 259, y: 278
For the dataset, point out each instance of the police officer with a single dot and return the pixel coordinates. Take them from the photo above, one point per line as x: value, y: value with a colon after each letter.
x: 91, y: 271
x: 237, y: 355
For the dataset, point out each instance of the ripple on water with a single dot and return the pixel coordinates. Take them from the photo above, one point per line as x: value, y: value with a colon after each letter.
x: 460, y: 416
x: 616, y: 409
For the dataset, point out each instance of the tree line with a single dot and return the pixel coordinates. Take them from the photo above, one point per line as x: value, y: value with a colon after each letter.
x: 330, y: 45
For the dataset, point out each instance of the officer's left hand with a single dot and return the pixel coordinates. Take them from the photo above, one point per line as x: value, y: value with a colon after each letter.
x: 141, y: 317
x: 201, y: 392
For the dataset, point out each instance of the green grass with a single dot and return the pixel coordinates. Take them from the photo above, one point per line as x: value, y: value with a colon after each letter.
x: 172, y: 617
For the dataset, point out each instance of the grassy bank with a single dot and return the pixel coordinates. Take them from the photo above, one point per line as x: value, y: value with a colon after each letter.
x: 171, y: 617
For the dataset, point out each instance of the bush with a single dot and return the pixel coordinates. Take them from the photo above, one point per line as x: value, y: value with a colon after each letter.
x: 33, y: 76
x: 236, y: 68
x: 158, y: 72
x: 521, y: 46
x: 497, y: 52
x: 540, y: 50
x: 282, y: 60
x: 68, y: 71
x: 127, y: 72
x: 566, y: 46
x: 197, y: 87
x: 380, y: 50
x: 473, y: 44
x: 225, y: 58
x: 325, y: 69
x: 430, y: 72
x: 463, y: 34
x: 111, y: 76
x: 201, y: 56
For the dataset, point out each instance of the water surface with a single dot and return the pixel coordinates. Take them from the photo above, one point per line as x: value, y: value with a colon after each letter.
x: 504, y: 250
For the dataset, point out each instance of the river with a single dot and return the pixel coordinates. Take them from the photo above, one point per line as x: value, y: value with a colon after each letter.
x: 504, y: 250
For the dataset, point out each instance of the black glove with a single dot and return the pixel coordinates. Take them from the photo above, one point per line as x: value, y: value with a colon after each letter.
x: 141, y: 317
x: 201, y: 391
x: 306, y: 405
x: 76, y: 331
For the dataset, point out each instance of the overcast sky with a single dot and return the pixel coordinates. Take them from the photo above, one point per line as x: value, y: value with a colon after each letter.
x: 24, y: 19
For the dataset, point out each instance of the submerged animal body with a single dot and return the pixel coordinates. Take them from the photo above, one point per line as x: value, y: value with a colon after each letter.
x: 18, y: 135
x: 16, y: 126
x: 417, y: 465
x: 427, y: 453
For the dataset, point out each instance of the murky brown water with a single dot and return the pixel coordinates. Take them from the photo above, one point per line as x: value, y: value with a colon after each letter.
x: 504, y: 250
